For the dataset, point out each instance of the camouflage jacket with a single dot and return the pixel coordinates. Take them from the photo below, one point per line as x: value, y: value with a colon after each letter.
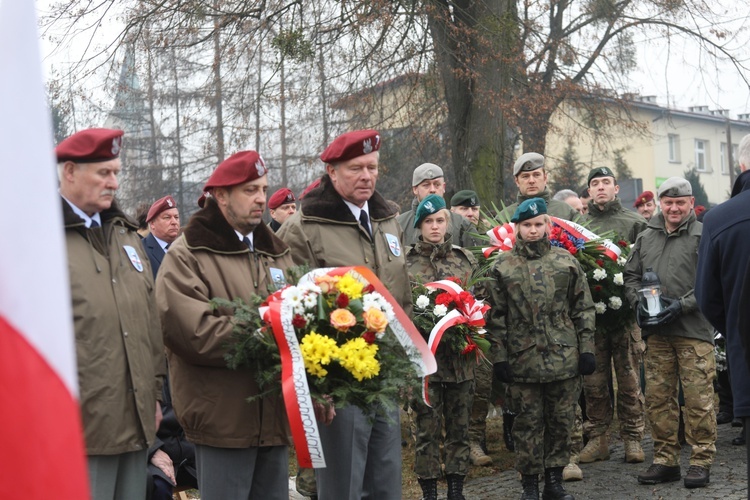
x: 542, y: 314
x: 614, y: 217
x: 462, y: 230
x: 429, y: 262
x: 555, y: 208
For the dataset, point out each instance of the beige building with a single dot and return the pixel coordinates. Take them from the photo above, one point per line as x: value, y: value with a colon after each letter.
x: 654, y: 141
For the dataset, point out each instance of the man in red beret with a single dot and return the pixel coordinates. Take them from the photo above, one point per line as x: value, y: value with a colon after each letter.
x: 225, y: 251
x: 346, y: 222
x: 281, y: 205
x: 163, y: 221
x: 118, y: 337
x: 645, y: 204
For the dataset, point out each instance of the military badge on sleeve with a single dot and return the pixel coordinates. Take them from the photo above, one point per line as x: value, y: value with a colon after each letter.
x: 393, y: 244
x: 134, y: 258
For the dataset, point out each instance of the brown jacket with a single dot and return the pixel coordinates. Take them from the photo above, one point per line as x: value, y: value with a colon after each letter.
x: 324, y: 233
x: 118, y: 337
x: 209, y: 261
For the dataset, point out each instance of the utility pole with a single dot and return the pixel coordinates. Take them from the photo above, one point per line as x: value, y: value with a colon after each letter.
x: 730, y: 156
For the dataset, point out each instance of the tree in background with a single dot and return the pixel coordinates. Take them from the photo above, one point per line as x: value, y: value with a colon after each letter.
x: 566, y: 174
x: 620, y: 166
x: 699, y: 192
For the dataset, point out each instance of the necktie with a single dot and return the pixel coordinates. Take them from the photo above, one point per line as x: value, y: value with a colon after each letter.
x: 166, y: 247
x: 246, y: 241
x: 93, y: 224
x: 364, y: 221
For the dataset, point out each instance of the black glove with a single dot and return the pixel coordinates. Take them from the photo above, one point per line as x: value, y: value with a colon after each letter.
x: 586, y: 363
x: 502, y: 372
x: 643, y: 318
x: 670, y: 313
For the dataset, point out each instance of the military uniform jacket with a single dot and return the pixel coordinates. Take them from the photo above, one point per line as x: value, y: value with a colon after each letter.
x: 462, y: 229
x: 674, y: 258
x: 118, y: 338
x: 324, y: 233
x: 428, y: 262
x: 207, y: 261
x: 542, y: 314
x: 555, y: 208
x: 613, y: 217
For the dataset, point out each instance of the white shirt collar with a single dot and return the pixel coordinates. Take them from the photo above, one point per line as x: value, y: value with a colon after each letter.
x: 161, y: 242
x: 248, y: 236
x: 356, y: 210
x: 83, y: 215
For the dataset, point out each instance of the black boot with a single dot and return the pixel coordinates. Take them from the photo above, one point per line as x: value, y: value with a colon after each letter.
x: 530, y: 484
x: 455, y: 487
x: 429, y: 488
x: 553, y: 485
x: 508, y: 419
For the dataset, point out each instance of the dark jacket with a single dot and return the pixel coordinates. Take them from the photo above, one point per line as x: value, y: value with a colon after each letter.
x: 722, y: 264
x: 626, y: 224
x: 154, y: 251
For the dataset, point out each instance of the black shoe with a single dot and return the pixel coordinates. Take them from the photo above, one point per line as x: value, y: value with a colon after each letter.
x: 455, y: 487
x: 508, y: 419
x: 429, y: 488
x: 739, y: 440
x: 724, y: 417
x: 697, y: 477
x: 658, y: 473
x: 530, y: 484
x: 553, y: 485
x: 737, y: 422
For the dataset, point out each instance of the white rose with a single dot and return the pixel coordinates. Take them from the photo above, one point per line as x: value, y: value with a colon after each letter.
x: 600, y: 307
x: 615, y: 303
x: 617, y: 279
x: 599, y: 274
x: 422, y: 302
x: 440, y: 310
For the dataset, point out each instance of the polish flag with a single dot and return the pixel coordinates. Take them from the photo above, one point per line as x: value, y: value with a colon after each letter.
x: 41, y: 442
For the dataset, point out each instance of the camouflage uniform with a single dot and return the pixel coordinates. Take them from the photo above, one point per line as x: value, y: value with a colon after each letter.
x: 542, y: 318
x: 679, y: 351
x: 623, y: 348
x: 451, y: 388
x: 555, y: 208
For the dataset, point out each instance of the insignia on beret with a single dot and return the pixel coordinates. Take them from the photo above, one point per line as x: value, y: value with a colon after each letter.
x: 351, y: 145
x: 116, y: 145
x: 169, y: 202
x: 260, y: 166
x: 429, y: 205
x: 534, y: 208
x: 367, y: 146
x: 529, y: 209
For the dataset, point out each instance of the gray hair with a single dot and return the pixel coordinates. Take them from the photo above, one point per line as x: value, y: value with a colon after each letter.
x: 744, y: 153
x: 564, y: 194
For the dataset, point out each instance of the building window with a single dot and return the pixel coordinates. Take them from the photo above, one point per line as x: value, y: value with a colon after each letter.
x: 701, y: 155
x: 725, y: 160
x: 674, y: 148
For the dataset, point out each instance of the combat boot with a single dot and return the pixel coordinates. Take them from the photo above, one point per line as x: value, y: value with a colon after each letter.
x: 530, y: 483
x: 508, y: 419
x: 660, y: 473
x: 553, y: 487
x: 429, y: 488
x: 634, y: 452
x: 477, y: 455
x: 455, y: 487
x: 572, y: 472
x: 596, y: 449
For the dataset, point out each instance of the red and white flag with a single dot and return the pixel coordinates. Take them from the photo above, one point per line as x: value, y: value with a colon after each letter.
x: 41, y: 442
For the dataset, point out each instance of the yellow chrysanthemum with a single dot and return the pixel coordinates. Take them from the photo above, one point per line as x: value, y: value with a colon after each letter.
x: 358, y: 358
x: 318, y: 350
x: 350, y: 286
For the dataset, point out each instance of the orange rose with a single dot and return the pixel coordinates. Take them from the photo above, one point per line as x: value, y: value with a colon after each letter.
x: 326, y: 283
x: 342, y: 319
x: 375, y: 320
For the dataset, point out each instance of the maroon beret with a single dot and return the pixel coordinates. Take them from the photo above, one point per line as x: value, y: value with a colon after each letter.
x: 90, y: 146
x: 281, y: 197
x: 351, y: 145
x: 644, y: 197
x: 160, y: 206
x: 239, y: 168
x: 310, y: 187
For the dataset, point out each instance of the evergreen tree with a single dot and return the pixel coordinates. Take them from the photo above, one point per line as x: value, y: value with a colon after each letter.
x: 622, y: 169
x: 699, y: 192
x: 567, y: 173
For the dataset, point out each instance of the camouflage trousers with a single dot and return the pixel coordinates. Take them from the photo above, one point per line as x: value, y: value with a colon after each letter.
x: 576, y: 433
x: 451, y: 405
x: 543, y: 424
x: 481, y: 405
x: 305, y: 482
x: 624, y: 350
x: 670, y: 360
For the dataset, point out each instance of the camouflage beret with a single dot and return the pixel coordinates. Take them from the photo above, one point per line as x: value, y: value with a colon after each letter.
x: 431, y: 204
x: 528, y: 162
x: 675, y: 187
x: 465, y: 198
x: 528, y: 209
x: 600, y: 172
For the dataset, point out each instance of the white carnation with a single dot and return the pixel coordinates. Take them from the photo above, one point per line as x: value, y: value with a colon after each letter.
x: 310, y: 301
x: 621, y: 261
x: 615, y: 303
x: 422, y: 302
x: 617, y: 279
x: 600, y: 307
x: 599, y: 274
x: 440, y: 310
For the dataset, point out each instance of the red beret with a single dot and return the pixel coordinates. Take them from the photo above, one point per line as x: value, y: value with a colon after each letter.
x: 351, y: 145
x: 281, y: 197
x: 309, y: 188
x: 160, y: 206
x: 237, y: 169
x: 90, y: 146
x: 644, y: 197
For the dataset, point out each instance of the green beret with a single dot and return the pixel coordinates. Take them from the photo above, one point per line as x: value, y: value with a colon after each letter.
x: 675, y: 187
x: 465, y: 198
x: 528, y: 162
x: 528, y: 209
x: 429, y: 205
x: 600, y: 172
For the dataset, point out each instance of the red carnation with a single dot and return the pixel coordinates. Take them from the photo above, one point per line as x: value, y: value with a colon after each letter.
x: 600, y: 262
x: 470, y: 347
x: 623, y: 243
x: 598, y: 288
x: 299, y: 321
x: 465, y: 297
x: 454, y: 279
x: 369, y: 337
x: 444, y: 299
x: 368, y: 289
x: 342, y: 300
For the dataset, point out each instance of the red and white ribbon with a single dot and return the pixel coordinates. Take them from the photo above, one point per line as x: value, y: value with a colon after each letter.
x: 502, y: 238
x: 610, y: 249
